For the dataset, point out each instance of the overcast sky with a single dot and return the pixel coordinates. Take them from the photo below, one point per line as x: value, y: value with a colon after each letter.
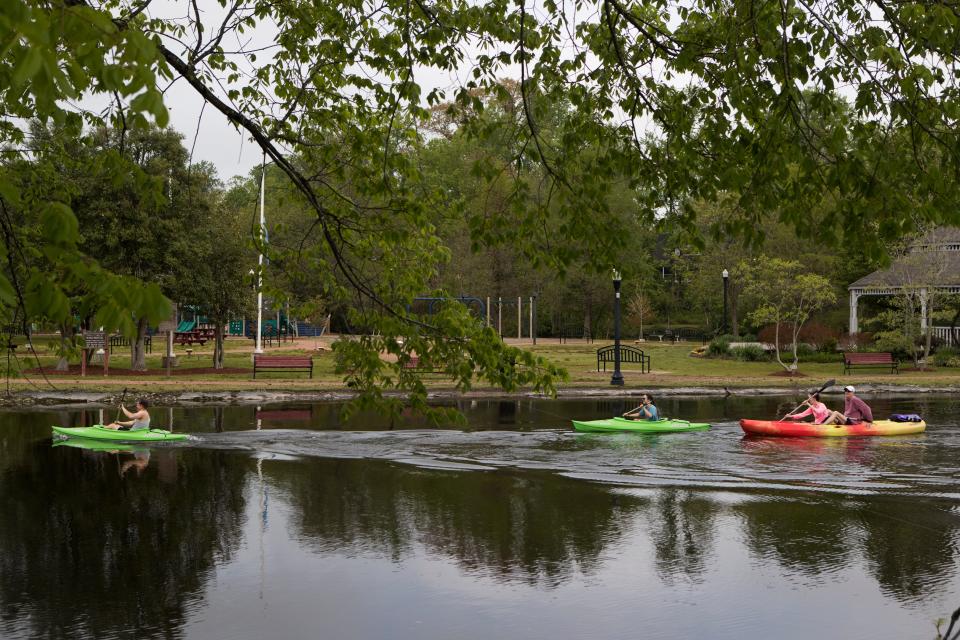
x: 217, y: 141
x: 232, y: 152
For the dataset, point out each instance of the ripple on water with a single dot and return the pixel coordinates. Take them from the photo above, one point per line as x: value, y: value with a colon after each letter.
x: 689, y: 460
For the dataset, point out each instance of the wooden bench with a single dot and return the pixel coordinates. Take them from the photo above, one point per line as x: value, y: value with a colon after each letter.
x: 883, y: 360
x: 627, y: 354
x: 302, y: 364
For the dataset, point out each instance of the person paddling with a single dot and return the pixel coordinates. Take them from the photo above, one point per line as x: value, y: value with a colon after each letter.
x: 855, y: 410
x: 646, y: 411
x: 139, y: 419
x: 821, y: 413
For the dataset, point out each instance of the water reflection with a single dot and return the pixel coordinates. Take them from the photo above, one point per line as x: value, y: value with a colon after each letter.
x: 516, y: 528
x: 128, y: 456
x: 196, y: 540
x: 912, y: 550
x: 545, y: 530
x: 111, y: 543
x: 682, y: 526
x: 808, y: 536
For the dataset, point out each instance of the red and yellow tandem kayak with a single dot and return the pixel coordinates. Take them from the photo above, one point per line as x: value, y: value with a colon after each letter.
x: 810, y: 430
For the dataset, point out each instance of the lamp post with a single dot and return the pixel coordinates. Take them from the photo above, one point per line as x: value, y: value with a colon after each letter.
x: 726, y: 281
x: 617, y: 378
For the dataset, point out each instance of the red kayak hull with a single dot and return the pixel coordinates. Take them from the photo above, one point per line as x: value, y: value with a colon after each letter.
x: 810, y: 430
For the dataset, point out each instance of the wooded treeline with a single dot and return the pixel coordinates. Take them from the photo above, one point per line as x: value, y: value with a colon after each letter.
x: 821, y: 131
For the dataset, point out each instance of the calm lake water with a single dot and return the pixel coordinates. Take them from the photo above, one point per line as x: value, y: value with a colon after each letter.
x: 512, y: 527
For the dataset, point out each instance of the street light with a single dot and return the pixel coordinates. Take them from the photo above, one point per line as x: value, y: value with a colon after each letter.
x: 726, y: 281
x: 617, y: 378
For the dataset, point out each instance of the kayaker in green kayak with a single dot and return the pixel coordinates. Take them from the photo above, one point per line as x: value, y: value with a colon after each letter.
x: 646, y: 411
x: 139, y: 419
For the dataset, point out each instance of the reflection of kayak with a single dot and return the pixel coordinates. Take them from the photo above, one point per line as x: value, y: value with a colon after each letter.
x: 97, y: 432
x: 639, y: 426
x: 808, y: 429
x: 99, y: 445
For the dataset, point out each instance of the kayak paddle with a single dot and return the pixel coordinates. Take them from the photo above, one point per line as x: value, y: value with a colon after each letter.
x: 828, y: 383
x: 122, y: 398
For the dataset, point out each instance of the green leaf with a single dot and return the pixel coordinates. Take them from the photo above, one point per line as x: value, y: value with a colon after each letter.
x: 60, y: 226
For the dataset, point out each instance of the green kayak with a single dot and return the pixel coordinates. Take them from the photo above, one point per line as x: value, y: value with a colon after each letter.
x: 639, y: 426
x: 97, y: 432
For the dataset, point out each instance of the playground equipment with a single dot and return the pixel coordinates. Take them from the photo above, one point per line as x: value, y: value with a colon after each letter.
x: 274, y: 329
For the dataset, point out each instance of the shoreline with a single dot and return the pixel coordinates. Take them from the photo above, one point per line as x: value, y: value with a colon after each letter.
x: 52, y: 398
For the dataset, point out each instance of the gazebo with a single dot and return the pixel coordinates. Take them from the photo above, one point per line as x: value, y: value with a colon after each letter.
x: 931, y: 265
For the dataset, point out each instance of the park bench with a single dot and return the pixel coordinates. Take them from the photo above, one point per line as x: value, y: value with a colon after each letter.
x: 302, y: 364
x: 120, y: 341
x: 627, y: 354
x: 883, y: 360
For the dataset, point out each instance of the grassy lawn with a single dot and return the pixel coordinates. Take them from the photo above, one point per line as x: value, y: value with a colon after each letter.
x: 672, y: 366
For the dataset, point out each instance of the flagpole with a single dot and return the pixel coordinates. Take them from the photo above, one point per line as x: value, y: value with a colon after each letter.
x: 263, y: 235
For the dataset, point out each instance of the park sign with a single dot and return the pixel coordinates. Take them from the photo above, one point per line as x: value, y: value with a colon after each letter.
x: 94, y: 339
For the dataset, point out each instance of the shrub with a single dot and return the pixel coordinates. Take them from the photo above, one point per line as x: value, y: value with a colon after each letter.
x: 821, y: 356
x: 816, y: 334
x: 804, y: 349
x: 718, y: 347
x: 806, y: 353
x: 854, y: 341
x: 947, y: 357
x: 828, y: 346
x: 896, y: 343
x: 812, y: 332
x: 749, y: 353
x: 936, y: 342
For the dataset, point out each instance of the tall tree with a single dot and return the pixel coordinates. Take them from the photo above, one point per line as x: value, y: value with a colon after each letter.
x: 147, y: 221
x: 786, y: 296
x: 219, y: 282
x: 732, y: 97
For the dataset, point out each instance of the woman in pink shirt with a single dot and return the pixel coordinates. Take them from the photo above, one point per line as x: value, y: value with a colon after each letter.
x: 820, y: 412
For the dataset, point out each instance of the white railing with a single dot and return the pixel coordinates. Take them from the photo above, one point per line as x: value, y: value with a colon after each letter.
x: 944, y: 334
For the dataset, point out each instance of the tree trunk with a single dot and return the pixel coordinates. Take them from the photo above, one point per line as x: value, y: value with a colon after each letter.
x: 954, y: 339
x: 587, y: 311
x: 929, y: 336
x: 734, y: 320
x: 908, y: 327
x: 218, y: 346
x: 796, y: 340
x: 776, y: 343
x: 138, y: 354
x: 67, y: 331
